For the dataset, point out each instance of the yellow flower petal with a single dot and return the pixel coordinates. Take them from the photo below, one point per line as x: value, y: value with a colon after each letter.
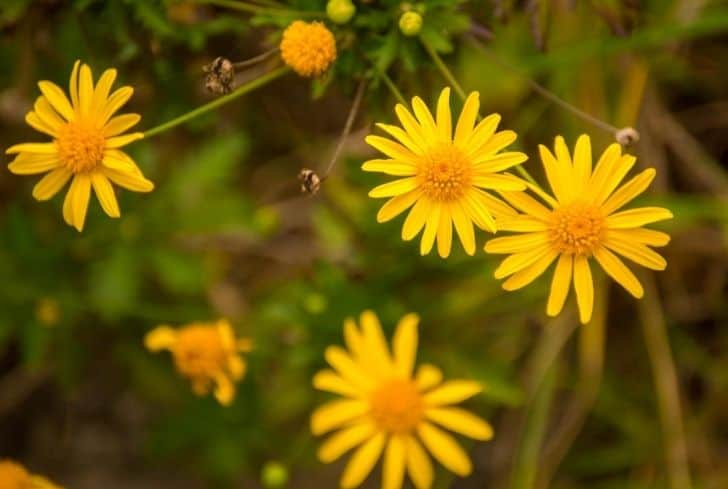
x: 336, y: 413
x: 629, y: 191
x: 81, y: 189
x: 103, y: 87
x: 394, y: 463
x: 73, y: 85
x: 396, y: 205
x: 121, y: 123
x: 464, y: 228
x: 32, y: 119
x: 68, y: 207
x: 527, y: 204
x: 160, y: 338
x: 444, y: 231
x: 640, y: 216
x: 431, y: 226
x: 237, y: 366
x: 327, y: 380
x: 444, y: 116
x: 499, y: 182
x: 354, y: 340
x: 35, y: 148
x: 114, y: 103
x: 416, y: 219
x: 466, y: 122
x: 425, y: 119
x: 85, y: 89
x: 496, y: 143
x: 376, y: 343
x: 560, y: 285
x: 619, y: 272
x: 224, y: 389
x: 28, y: 164
x: 57, y: 99
x: 555, y: 174
x: 410, y: 124
x: 499, y: 162
x: 341, y: 442
x: 396, y: 187
x: 530, y: 273
x: 478, y: 206
x: 482, y: 133
x: 49, y: 185
x: 119, y: 141
x: 47, y: 114
x: 522, y: 224
x: 445, y: 449
x: 517, y: 243
x: 452, y: 392
x: 427, y: 376
x: 419, y: 465
x: 584, y: 287
x: 390, y: 148
x: 400, y: 135
x: 519, y: 261
x: 648, y: 237
x: 404, y: 345
x: 637, y: 252
x: 362, y: 462
x: 347, y: 368
x: 582, y: 162
x: 119, y: 161
x: 562, y: 152
x: 608, y: 180
x: 105, y: 193
x: 461, y: 421
x: 136, y: 183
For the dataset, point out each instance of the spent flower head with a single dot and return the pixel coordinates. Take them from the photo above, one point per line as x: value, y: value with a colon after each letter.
x: 87, y: 138
x: 206, y: 353
x: 309, y: 48
x: 581, y: 221
x: 444, y: 172
x: 391, y: 411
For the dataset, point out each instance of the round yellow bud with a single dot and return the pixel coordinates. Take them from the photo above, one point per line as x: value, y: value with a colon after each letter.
x: 308, y: 48
x: 410, y: 24
x: 340, y: 11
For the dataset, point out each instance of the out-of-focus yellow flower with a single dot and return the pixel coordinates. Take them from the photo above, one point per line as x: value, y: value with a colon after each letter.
x: 410, y: 23
x: 15, y: 476
x: 390, y: 411
x: 308, y: 48
x: 206, y: 353
x: 581, y: 221
x: 48, y: 311
x: 444, y: 172
x: 85, y: 146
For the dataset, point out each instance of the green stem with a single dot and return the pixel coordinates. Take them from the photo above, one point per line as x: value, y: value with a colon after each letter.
x: 242, y: 90
x: 258, y: 9
x: 443, y: 69
x: 392, y: 87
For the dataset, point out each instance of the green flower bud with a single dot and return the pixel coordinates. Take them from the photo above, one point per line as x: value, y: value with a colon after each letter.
x: 274, y: 475
x: 410, y: 24
x: 340, y: 11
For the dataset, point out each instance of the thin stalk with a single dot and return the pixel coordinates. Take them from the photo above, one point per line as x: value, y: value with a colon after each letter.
x: 255, y: 59
x: 347, y: 126
x: 242, y: 90
x: 546, y: 93
x: 666, y: 384
x: 447, y: 74
x: 258, y: 9
x: 392, y: 87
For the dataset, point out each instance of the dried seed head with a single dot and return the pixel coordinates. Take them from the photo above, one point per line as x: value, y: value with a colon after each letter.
x: 220, y: 76
x: 310, y: 181
x: 627, y: 136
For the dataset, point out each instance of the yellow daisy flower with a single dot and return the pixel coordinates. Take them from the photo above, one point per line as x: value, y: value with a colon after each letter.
x: 85, y: 146
x: 308, y: 48
x: 387, y: 411
x: 444, y: 173
x: 206, y: 353
x: 15, y: 476
x: 583, y: 220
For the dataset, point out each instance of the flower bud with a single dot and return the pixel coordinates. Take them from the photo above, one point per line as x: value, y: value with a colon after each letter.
x: 410, y: 24
x: 274, y: 475
x: 340, y: 11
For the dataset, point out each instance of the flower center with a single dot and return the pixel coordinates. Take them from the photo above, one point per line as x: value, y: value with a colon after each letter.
x: 199, y: 352
x: 80, y: 146
x: 14, y: 475
x: 397, y: 406
x: 445, y: 173
x: 576, y: 228
x: 308, y: 48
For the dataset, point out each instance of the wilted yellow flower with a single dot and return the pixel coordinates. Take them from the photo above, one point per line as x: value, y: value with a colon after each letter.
x: 387, y: 411
x: 15, y: 476
x: 206, y: 353
x: 308, y: 48
x: 582, y: 220
x: 444, y: 173
x: 85, y: 146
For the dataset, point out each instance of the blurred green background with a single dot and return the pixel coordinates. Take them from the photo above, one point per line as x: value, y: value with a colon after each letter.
x: 227, y: 233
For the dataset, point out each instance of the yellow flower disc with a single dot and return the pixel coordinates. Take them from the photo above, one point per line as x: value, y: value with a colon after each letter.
x: 308, y: 48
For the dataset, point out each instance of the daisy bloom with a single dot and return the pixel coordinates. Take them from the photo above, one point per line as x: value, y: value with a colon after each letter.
x: 581, y: 221
x: 444, y: 173
x: 308, y: 48
x: 206, y: 353
x: 15, y: 476
x: 388, y: 412
x: 85, y: 146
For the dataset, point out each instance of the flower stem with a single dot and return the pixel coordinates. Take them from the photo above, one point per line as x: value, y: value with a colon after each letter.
x: 258, y: 9
x: 255, y: 59
x: 242, y: 90
x: 443, y: 68
x: 347, y: 126
x: 392, y: 87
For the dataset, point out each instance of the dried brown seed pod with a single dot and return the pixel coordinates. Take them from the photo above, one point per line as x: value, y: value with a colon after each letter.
x: 310, y: 181
x: 220, y: 76
x: 627, y: 136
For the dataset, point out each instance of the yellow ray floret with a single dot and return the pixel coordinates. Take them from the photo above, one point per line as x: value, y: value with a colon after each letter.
x: 208, y: 354
x: 583, y: 220
x: 15, y: 476
x: 87, y: 138
x: 308, y: 48
x: 391, y: 410
x: 445, y: 173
